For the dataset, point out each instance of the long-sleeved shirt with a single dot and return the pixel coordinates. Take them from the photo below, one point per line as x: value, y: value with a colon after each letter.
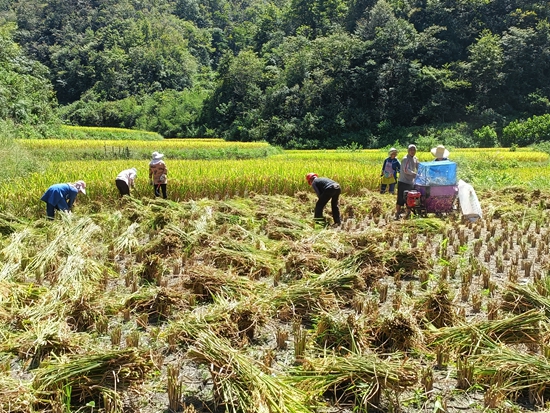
x: 156, y: 170
x: 128, y: 176
x: 409, y: 168
x: 321, y: 184
x: 61, y: 196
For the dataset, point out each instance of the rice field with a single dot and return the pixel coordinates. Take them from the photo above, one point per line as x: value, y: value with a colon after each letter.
x: 279, y: 173
x: 226, y: 297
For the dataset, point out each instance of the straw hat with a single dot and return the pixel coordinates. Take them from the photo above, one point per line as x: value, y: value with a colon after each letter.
x: 440, y: 152
x: 81, y: 186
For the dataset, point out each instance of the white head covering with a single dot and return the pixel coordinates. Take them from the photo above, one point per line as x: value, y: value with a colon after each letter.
x: 81, y: 186
x: 440, y: 152
x: 157, y: 157
x: 135, y: 170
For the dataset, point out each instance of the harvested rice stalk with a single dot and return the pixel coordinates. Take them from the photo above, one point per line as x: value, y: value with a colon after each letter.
x: 308, y: 292
x: 521, y: 298
x: 281, y: 227
x: 14, y: 296
x: 206, y: 282
x: 70, y: 239
x: 240, y: 383
x: 155, y: 302
x: 437, y: 307
x: 89, y: 375
x: 359, y: 378
x: 172, y: 240
x: 526, y: 328
x: 407, y: 262
x: 371, y: 255
x: 234, y: 320
x: 16, y: 395
x: 83, y: 312
x: 241, y: 258
x: 41, y: 338
x: 17, y: 248
x: 342, y: 332
x: 516, y: 373
x: 127, y: 241
x: 299, y: 262
x: 397, y: 332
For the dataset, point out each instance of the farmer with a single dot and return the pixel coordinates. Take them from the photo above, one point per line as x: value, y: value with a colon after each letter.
x: 390, y: 168
x: 62, y: 197
x: 158, y: 174
x: 409, y: 169
x: 440, y: 153
x: 326, y: 190
x: 125, y: 180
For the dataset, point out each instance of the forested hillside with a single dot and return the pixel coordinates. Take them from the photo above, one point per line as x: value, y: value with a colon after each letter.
x: 297, y: 73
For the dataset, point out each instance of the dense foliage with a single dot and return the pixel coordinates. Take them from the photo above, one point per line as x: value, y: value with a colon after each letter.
x: 317, y: 73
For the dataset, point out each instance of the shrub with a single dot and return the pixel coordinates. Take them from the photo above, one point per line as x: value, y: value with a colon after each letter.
x: 524, y: 133
x: 486, y: 137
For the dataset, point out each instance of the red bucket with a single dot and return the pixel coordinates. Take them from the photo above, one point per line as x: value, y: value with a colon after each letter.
x: 413, y: 199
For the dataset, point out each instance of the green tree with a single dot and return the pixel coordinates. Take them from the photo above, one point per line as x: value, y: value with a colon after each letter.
x: 484, y: 69
x: 26, y: 94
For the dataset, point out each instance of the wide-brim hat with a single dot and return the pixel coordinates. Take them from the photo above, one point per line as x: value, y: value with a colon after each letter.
x: 392, y: 150
x: 440, y: 152
x: 80, y: 186
x: 157, y: 156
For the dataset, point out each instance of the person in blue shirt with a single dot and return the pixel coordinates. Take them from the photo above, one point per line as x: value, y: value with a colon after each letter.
x: 390, y: 168
x: 61, y: 197
x: 326, y: 190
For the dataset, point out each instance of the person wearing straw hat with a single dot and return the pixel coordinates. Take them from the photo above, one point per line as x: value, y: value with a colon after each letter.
x: 61, y: 197
x: 440, y: 153
x: 158, y: 174
x: 125, y: 180
x: 390, y: 168
x: 326, y: 190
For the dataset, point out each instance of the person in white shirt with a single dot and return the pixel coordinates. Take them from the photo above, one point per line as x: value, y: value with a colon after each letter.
x: 125, y: 180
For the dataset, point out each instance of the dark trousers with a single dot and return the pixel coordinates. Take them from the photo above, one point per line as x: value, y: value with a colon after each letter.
x: 123, y: 187
x: 330, y: 194
x: 160, y: 187
x: 50, y: 210
x: 391, y: 188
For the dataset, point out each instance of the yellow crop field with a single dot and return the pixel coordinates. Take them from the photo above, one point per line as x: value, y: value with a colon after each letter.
x: 35, y: 144
x: 356, y: 171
